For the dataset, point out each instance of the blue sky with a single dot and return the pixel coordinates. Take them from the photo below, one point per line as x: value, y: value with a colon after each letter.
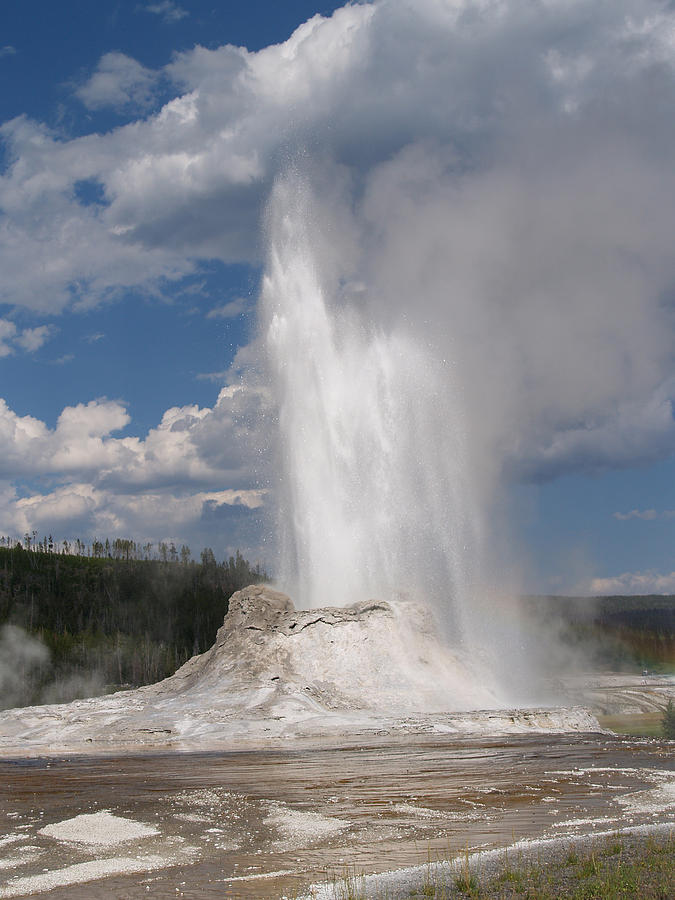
x: 49, y: 51
x: 139, y: 146
x: 581, y: 527
x: 148, y: 350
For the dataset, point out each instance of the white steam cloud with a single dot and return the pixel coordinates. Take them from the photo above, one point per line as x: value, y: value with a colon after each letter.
x: 20, y: 656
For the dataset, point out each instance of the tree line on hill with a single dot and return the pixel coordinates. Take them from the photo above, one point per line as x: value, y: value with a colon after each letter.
x: 79, y: 618
x: 119, y: 548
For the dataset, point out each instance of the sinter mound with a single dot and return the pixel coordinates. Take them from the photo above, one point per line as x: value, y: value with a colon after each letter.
x: 376, y: 656
x: 277, y: 672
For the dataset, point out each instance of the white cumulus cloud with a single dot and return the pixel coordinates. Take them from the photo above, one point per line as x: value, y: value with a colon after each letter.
x: 198, y: 474
x: 119, y: 81
x: 29, y: 339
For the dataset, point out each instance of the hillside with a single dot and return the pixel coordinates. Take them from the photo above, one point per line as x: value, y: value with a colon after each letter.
x: 72, y: 624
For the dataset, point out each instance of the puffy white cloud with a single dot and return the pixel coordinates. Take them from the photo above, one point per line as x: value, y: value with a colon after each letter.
x: 79, y: 509
x: 56, y: 251
x: 79, y: 439
x: 199, y: 474
x: 190, y: 446
x: 189, y: 181
x: 119, y: 81
x: 30, y: 339
x: 502, y: 173
x: 634, y: 583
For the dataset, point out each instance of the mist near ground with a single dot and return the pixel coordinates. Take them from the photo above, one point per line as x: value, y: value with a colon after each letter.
x: 27, y: 676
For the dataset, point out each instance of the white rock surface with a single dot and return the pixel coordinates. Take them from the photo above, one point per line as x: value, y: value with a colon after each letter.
x: 100, y: 828
x: 81, y: 873
x: 276, y: 672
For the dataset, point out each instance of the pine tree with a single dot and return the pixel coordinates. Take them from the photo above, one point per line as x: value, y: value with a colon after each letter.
x: 668, y: 721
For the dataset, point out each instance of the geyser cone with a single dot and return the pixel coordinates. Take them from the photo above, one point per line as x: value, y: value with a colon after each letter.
x: 384, y: 658
x: 374, y: 493
x: 277, y: 673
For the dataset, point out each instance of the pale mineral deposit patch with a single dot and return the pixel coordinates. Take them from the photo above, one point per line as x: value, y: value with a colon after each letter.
x: 80, y: 874
x: 301, y: 828
x: 101, y: 829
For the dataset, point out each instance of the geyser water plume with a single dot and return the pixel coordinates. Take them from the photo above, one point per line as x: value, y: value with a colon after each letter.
x: 375, y: 493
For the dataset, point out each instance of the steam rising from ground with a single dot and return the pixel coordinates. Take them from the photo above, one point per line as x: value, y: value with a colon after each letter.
x: 381, y: 495
x: 20, y: 655
x: 27, y: 675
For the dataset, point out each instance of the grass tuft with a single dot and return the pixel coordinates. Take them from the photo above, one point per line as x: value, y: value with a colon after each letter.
x: 466, y: 884
x: 616, y: 869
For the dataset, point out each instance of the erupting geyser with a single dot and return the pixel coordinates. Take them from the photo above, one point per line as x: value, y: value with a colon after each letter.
x: 374, y: 495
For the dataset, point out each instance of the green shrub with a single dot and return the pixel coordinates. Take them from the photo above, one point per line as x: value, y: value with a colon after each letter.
x: 668, y: 721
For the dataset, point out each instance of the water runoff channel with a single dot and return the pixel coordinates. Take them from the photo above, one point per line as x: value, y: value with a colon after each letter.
x: 269, y: 824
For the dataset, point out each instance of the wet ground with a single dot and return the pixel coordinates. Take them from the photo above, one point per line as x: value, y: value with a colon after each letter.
x: 267, y: 824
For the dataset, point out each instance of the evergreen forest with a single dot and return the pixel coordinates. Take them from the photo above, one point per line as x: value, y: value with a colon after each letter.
x: 79, y: 619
